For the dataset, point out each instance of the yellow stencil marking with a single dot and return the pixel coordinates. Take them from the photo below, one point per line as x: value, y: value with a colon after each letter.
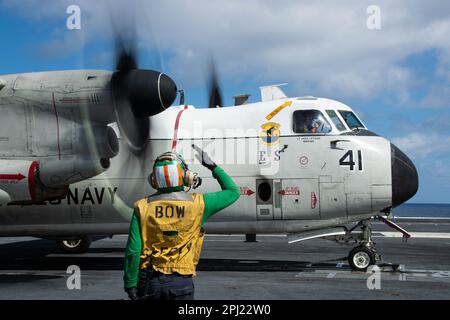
x: 278, y: 109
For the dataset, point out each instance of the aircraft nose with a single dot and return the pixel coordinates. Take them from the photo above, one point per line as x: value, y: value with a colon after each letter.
x: 405, y: 180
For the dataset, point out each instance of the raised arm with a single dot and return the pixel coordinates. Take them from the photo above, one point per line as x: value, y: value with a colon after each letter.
x: 216, y: 201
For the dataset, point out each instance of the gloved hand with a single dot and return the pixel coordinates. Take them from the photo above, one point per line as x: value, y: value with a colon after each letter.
x: 132, y: 293
x: 204, y: 158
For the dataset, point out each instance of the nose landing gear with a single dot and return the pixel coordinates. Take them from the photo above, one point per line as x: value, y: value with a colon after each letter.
x: 365, y: 254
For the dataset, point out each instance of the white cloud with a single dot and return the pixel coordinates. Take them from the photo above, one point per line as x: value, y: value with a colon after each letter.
x: 420, y: 145
x: 323, y: 45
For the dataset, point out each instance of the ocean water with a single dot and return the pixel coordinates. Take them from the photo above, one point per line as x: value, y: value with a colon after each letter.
x: 423, y: 210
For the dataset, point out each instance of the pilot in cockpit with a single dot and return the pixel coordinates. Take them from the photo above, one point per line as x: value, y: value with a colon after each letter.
x: 310, y: 122
x: 317, y: 126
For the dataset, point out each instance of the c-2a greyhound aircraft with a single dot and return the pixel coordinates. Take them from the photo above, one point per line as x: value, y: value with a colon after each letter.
x: 76, y: 148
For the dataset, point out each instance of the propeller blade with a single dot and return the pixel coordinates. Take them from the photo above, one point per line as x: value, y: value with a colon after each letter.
x: 124, y: 41
x: 215, y: 96
x: 126, y: 61
x: 137, y: 93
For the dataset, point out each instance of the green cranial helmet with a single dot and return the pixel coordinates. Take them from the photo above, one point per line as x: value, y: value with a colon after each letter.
x: 170, y: 173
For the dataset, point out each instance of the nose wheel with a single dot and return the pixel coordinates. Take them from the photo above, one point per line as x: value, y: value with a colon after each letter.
x: 364, y: 255
x: 361, y: 257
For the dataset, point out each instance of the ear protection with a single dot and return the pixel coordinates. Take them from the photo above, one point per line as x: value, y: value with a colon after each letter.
x: 152, y: 180
x: 189, y: 177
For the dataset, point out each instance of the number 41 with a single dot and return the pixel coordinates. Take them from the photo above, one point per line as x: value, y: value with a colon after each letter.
x: 348, y: 160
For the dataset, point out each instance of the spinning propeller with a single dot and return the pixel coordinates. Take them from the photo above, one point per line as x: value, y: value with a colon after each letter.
x: 137, y: 94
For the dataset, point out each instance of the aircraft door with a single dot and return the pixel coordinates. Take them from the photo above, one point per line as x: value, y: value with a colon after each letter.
x: 277, y: 213
x: 268, y: 200
x: 300, y: 199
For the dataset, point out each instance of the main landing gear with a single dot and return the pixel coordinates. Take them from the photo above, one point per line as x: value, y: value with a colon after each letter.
x: 364, y: 255
x: 74, y: 245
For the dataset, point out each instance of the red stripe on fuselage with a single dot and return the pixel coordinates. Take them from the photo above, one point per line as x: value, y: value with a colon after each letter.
x: 175, y: 132
x: 57, y: 126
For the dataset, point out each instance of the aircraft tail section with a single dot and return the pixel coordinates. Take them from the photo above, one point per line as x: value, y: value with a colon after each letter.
x: 273, y: 92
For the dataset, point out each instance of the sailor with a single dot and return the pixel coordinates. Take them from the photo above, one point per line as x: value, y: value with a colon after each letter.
x: 166, y: 234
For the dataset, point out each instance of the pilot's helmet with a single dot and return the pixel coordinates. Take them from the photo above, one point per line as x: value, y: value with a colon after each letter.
x: 317, y: 123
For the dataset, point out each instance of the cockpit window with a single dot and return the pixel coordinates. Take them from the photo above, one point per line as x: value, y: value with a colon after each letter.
x: 337, y: 122
x: 351, y: 120
x: 310, y: 121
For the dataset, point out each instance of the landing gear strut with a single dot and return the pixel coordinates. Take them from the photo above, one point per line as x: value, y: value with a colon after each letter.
x: 364, y: 254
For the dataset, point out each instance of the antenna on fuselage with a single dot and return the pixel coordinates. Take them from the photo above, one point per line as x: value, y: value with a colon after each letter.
x: 181, y: 92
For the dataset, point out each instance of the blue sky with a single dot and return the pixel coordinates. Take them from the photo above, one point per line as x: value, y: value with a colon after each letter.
x: 397, y: 78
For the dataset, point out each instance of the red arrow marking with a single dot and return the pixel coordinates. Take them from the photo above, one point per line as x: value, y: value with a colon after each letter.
x: 249, y: 192
x: 246, y: 191
x: 282, y: 192
x: 17, y: 177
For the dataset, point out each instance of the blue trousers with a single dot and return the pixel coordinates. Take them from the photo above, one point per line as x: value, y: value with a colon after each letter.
x: 158, y: 286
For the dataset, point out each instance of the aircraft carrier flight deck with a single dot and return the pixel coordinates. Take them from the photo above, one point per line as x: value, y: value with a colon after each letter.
x: 232, y: 269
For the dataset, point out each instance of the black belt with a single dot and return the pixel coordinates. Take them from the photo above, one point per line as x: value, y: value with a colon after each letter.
x: 153, y: 274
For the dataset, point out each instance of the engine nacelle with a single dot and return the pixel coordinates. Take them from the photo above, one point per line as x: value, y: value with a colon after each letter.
x: 20, y: 184
x: 57, y: 173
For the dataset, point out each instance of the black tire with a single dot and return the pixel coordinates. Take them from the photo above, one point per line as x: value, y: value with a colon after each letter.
x: 80, y: 245
x: 361, y: 258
